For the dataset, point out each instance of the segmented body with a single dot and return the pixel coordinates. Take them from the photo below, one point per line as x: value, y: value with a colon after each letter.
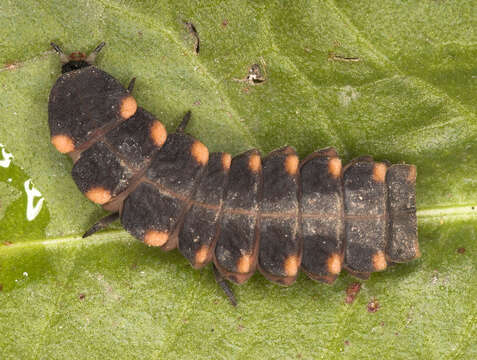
x: 276, y: 214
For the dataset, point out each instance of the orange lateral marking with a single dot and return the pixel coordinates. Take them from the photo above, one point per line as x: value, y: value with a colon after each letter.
x: 379, y: 172
x: 254, y: 163
x: 98, y: 195
x: 201, y: 255
x: 158, y: 133
x: 244, y: 263
x: 291, y: 265
x: 291, y: 164
x: 63, y: 143
x: 334, y: 167
x: 334, y: 264
x: 379, y: 261
x: 200, y: 152
x: 128, y: 107
x: 226, y: 160
x: 155, y: 238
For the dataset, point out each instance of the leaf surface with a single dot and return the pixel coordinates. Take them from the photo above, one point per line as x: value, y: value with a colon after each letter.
x: 410, y: 98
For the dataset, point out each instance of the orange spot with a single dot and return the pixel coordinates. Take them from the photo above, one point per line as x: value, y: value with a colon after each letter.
x: 244, y: 264
x: 291, y: 164
x: 63, y: 143
x: 334, y: 167
x: 254, y: 162
x: 128, y: 107
x: 411, y: 177
x: 201, y: 255
x: 226, y: 160
x: 379, y: 172
x: 200, y: 152
x: 379, y: 261
x: 158, y: 133
x: 291, y: 265
x: 334, y: 264
x: 155, y: 238
x: 98, y: 195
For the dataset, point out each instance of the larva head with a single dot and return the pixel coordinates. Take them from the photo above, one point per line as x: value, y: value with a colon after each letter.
x: 76, y: 60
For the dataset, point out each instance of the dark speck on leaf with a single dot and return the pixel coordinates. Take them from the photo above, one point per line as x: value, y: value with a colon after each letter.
x: 82, y: 296
x: 461, y: 250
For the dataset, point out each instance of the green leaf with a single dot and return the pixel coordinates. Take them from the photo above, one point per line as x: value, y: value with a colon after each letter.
x: 410, y: 98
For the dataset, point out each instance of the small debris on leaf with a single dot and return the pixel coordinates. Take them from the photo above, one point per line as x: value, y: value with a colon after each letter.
x: 255, y: 74
x: 352, y: 291
x: 82, y: 296
x: 195, y: 34
x: 461, y: 250
x: 332, y: 56
x: 373, y: 306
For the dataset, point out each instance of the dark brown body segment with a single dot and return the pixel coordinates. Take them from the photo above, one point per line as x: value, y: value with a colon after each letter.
x: 83, y: 101
x: 100, y: 168
x: 236, y: 249
x: 402, y: 244
x: 198, y: 233
x: 280, y: 243
x: 154, y: 211
x: 133, y: 140
x: 365, y: 198
x: 322, y: 215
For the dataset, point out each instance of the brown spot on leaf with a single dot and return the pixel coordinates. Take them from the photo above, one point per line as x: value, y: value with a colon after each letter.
x: 373, y: 306
x: 352, y: 291
x: 461, y: 250
x: 225, y: 22
x: 81, y: 296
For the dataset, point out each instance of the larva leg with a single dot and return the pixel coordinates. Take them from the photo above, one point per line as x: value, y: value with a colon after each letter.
x: 184, y: 122
x: 102, y: 224
x: 224, y: 285
x: 131, y: 85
